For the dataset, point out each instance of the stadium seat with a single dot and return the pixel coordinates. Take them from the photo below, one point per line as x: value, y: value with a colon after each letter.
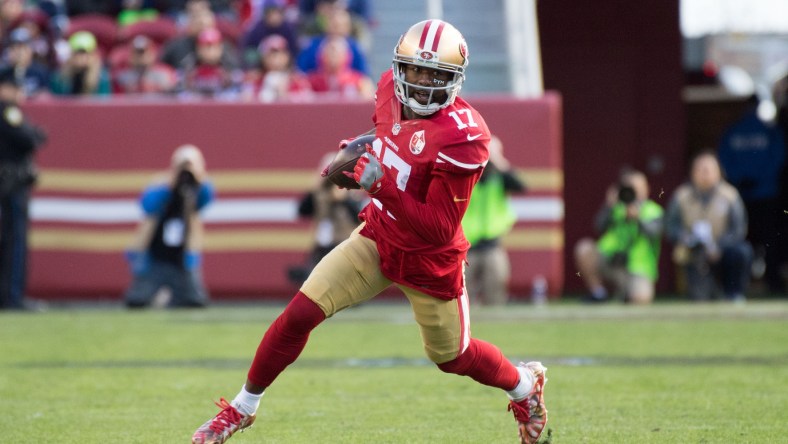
x: 120, y: 55
x: 230, y: 31
x: 159, y: 30
x: 101, y: 26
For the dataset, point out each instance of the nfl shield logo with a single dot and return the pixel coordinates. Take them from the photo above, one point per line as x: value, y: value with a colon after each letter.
x: 417, y: 142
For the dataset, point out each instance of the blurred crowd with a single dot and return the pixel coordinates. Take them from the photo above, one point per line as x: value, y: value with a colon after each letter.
x: 241, y: 50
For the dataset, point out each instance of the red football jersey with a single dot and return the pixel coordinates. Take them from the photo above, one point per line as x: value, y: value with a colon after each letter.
x: 430, y: 167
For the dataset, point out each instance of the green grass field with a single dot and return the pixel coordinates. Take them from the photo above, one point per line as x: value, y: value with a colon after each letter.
x: 669, y: 373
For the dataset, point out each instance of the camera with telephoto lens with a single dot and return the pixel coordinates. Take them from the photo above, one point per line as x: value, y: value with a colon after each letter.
x: 626, y: 194
x: 186, y: 182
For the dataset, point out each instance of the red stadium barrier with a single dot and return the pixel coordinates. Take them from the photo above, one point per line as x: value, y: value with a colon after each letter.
x: 261, y: 159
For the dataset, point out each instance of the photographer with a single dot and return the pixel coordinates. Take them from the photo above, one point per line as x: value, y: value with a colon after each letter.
x: 334, y: 214
x: 167, y: 249
x: 627, y: 253
x: 18, y: 143
x: 707, y: 222
x: 489, y: 217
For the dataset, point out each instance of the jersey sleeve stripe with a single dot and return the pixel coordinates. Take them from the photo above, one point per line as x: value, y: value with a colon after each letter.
x: 469, y: 166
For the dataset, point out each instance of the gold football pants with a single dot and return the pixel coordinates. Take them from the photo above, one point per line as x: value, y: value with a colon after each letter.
x: 350, y: 274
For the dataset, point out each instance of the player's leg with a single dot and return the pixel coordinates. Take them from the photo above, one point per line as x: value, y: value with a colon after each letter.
x: 347, y: 276
x: 445, y: 332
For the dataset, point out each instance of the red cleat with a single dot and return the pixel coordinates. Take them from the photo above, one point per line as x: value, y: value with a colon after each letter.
x: 530, y: 413
x: 222, y: 426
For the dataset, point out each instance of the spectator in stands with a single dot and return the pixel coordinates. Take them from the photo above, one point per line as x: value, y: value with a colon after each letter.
x: 79, y: 7
x: 10, y: 13
x: 179, y: 9
x: 167, y: 248
x: 132, y: 11
x: 335, y: 76
x: 33, y: 76
x: 752, y: 154
x: 143, y: 74
x: 84, y: 72
x: 707, y: 223
x: 42, y: 36
x: 272, y: 22
x: 360, y: 8
x: 488, y: 218
x: 208, y: 77
x: 337, y: 26
x: 627, y: 253
x: 316, y: 17
x: 275, y: 78
x: 181, y: 52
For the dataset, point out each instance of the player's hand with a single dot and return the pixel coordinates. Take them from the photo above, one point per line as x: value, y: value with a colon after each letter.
x: 368, y: 172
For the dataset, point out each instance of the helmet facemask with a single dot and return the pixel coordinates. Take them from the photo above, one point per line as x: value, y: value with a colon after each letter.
x: 432, y: 45
x: 404, y: 89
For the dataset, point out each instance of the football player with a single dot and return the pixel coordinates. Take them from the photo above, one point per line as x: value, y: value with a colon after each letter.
x: 429, y: 151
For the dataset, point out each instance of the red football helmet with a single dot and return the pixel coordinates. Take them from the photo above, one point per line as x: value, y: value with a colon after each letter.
x: 432, y: 44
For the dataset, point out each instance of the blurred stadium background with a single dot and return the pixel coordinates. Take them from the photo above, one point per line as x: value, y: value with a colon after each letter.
x: 626, y: 83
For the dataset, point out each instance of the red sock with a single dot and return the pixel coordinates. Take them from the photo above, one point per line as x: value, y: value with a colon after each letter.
x: 285, y: 339
x: 484, y: 363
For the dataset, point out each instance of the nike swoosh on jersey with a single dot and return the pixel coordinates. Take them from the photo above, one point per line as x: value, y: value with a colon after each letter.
x: 474, y: 137
x: 457, y: 199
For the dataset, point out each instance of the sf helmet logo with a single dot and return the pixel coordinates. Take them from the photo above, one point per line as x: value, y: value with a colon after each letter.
x: 425, y: 56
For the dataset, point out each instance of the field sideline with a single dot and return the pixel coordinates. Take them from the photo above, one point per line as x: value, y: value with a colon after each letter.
x: 667, y: 373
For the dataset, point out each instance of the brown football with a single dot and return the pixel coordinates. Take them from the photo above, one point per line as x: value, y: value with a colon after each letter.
x: 345, y: 161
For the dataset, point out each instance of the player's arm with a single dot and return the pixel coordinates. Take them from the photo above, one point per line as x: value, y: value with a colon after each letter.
x: 438, y: 218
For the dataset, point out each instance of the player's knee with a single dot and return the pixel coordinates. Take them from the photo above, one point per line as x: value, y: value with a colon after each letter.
x: 302, y: 315
x: 458, y: 366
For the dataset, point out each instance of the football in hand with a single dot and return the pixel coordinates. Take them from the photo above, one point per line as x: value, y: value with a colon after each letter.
x: 345, y: 161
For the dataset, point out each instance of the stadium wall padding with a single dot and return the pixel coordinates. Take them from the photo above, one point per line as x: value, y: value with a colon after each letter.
x: 262, y: 159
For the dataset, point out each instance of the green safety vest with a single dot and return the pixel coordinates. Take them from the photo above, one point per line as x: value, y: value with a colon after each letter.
x: 624, y: 236
x: 489, y: 214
